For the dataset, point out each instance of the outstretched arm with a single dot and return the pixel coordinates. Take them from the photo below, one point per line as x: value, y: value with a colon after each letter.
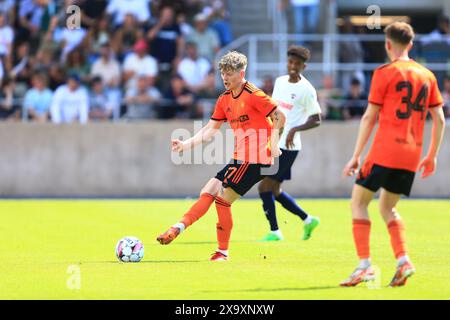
x: 365, y: 129
x: 204, y: 135
x: 437, y: 133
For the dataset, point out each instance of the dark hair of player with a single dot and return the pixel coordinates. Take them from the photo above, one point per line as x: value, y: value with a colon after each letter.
x: 299, y: 52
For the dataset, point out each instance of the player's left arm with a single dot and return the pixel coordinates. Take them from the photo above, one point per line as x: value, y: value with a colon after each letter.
x: 313, y: 121
x: 437, y: 134
x: 366, y: 126
x: 278, y: 119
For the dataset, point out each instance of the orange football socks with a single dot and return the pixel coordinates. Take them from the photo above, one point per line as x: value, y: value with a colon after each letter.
x: 398, y: 242
x: 198, y: 210
x: 225, y: 223
x: 361, y: 236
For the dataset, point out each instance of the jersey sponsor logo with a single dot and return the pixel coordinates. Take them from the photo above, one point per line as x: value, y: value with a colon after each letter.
x: 242, y: 118
x: 293, y: 96
x: 285, y: 105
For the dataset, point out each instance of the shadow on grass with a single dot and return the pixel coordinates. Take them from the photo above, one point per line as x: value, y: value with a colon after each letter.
x: 137, y: 263
x: 276, y: 289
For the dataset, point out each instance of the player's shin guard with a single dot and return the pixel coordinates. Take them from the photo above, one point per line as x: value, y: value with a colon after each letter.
x: 198, y: 209
x: 361, y: 236
x: 225, y: 223
x: 268, y: 201
x: 398, y: 242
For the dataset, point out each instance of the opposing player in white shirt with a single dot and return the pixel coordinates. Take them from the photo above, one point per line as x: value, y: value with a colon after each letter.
x: 297, y: 99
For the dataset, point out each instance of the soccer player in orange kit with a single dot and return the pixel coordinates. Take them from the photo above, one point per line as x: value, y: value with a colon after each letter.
x: 256, y: 122
x: 401, y: 95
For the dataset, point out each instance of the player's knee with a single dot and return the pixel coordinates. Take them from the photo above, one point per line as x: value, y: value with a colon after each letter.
x: 264, y: 186
x: 212, y: 187
x: 389, y: 213
x: 276, y: 189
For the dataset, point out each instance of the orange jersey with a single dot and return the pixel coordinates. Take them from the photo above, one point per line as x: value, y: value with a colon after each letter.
x: 405, y: 90
x: 247, y: 114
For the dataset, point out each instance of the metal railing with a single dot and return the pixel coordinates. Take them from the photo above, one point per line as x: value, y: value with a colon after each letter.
x: 329, y: 64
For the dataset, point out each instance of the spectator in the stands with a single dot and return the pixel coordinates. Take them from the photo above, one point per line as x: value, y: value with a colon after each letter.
x: 21, y: 68
x: 139, y: 63
x: 97, y: 35
x: 207, y: 40
x: 107, y: 67
x: 101, y: 104
x: 126, y: 36
x: 91, y: 11
x: 446, y: 96
x: 267, y: 85
x: 142, y: 100
x: 8, y: 7
x: 120, y: 8
x: 76, y: 63
x: 329, y: 97
x: 181, y: 101
x: 57, y: 76
x: 440, y: 33
x: 219, y: 21
x: 8, y: 110
x: 306, y: 15
x: 355, y: 101
x: 38, y: 99
x: 70, y: 102
x: 351, y: 51
x: 195, y: 71
x: 167, y: 44
x: 6, y: 40
x: 34, y: 20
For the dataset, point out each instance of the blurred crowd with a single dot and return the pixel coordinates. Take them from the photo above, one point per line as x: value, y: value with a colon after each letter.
x: 93, y: 60
x: 97, y: 60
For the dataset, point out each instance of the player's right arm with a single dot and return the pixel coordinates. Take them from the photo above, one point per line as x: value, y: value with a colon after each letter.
x: 365, y: 129
x: 437, y: 134
x: 204, y: 135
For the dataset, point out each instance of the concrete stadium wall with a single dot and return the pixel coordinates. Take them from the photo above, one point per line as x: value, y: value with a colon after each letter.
x: 134, y: 159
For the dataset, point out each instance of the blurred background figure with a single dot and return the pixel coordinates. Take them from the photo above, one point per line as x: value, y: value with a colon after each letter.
x: 141, y: 100
x: 446, y: 96
x: 205, y: 38
x: 8, y: 110
x: 167, y: 44
x: 139, y: 63
x: 355, y: 101
x: 38, y: 99
x: 107, y: 67
x: 306, y: 15
x: 180, y: 101
x: 70, y: 102
x: 267, y: 85
x: 351, y: 51
x: 118, y: 9
x: 195, y: 72
x: 101, y: 104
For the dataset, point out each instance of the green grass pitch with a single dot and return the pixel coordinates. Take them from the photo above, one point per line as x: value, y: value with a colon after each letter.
x: 59, y: 249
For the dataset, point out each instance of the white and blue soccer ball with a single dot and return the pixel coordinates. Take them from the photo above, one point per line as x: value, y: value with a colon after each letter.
x: 129, y: 249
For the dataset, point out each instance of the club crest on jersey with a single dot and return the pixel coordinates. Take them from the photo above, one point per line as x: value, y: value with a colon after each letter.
x: 293, y: 96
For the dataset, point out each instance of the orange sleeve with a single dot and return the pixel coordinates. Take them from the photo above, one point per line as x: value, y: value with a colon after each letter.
x: 377, y: 88
x: 263, y: 103
x: 435, y: 95
x: 219, y: 113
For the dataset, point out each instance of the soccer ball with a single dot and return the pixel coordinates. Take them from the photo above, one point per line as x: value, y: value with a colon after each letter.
x: 129, y: 249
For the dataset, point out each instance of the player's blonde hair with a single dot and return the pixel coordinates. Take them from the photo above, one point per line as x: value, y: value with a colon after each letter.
x: 233, y: 61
